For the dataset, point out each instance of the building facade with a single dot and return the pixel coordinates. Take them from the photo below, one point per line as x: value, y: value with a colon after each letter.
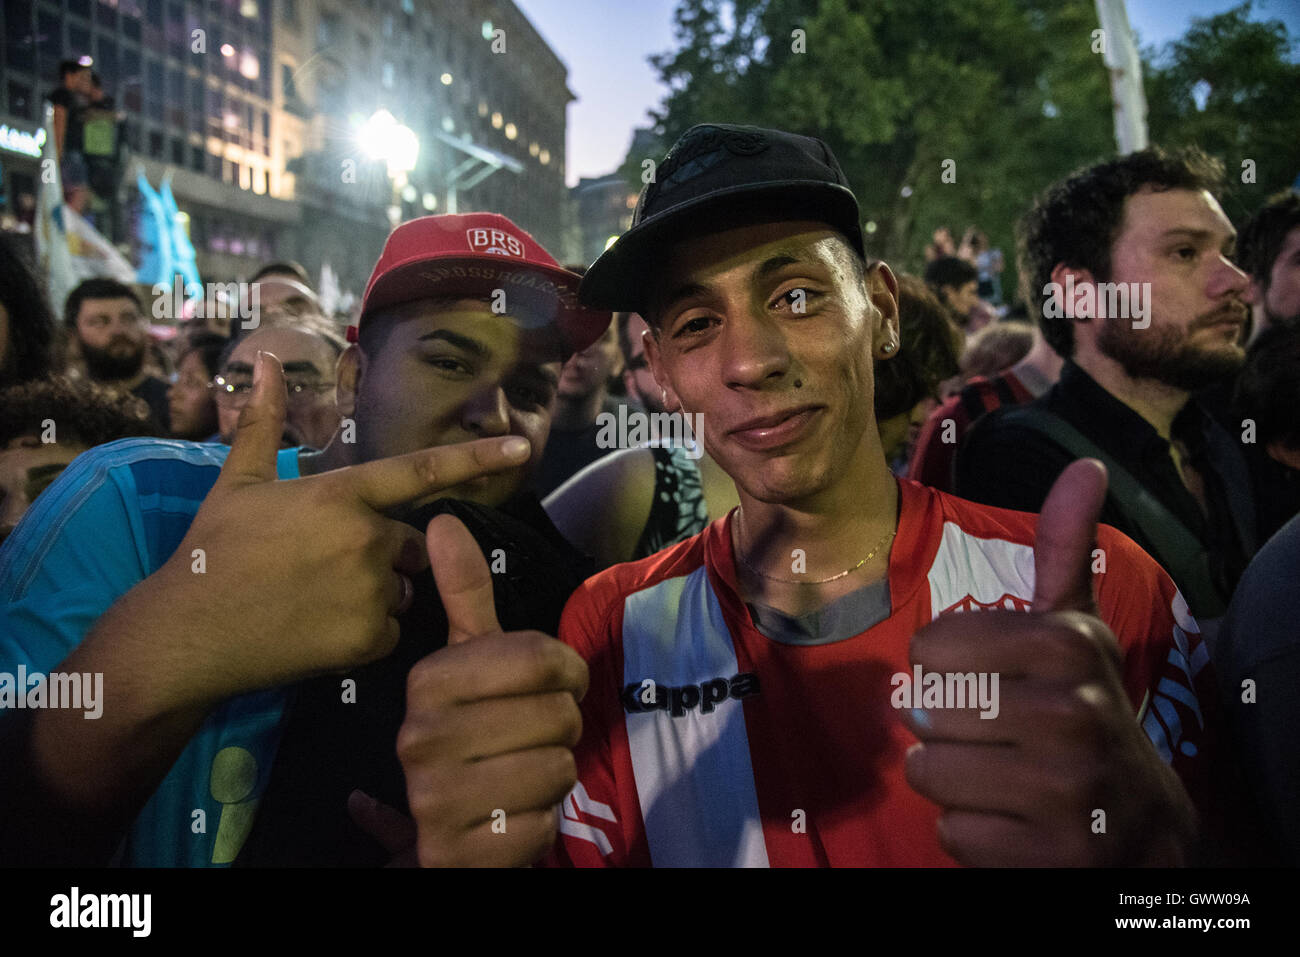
x: 257, y: 111
x: 603, y: 205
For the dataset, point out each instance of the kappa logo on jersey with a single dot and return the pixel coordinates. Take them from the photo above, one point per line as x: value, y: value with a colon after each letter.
x: 1007, y: 602
x: 495, y: 241
x: 707, y: 695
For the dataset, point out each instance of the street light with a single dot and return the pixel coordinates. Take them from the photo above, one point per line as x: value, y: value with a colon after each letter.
x: 383, y: 138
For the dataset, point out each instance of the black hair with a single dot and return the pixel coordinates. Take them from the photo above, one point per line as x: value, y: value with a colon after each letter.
x: 950, y: 271
x: 1076, y: 221
x: 1261, y: 238
x: 70, y: 66
x: 930, y: 346
x: 30, y: 352
x: 1268, y: 386
x: 82, y: 411
x: 97, y: 288
x: 209, y: 346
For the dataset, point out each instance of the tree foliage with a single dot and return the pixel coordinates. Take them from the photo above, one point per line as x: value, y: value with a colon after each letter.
x: 1251, y: 99
x: 1010, y: 90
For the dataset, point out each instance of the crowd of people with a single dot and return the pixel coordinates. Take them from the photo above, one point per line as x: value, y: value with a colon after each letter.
x: 418, y: 591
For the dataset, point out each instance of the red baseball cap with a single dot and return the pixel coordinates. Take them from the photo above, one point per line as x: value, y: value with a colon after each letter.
x: 476, y: 254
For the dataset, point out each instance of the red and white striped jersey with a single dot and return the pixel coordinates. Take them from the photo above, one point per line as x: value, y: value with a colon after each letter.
x: 753, y: 752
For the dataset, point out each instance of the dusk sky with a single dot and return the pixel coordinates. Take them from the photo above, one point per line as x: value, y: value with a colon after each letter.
x: 605, y: 45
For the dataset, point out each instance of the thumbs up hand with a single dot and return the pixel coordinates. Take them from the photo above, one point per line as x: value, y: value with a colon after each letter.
x: 1063, y: 775
x: 491, y: 721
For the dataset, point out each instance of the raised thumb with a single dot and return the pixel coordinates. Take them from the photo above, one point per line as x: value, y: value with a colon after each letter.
x: 1063, y: 543
x: 463, y: 579
x: 394, y: 831
x: 256, y: 441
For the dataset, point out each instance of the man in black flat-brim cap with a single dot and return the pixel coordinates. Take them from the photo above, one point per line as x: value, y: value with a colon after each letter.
x: 793, y: 686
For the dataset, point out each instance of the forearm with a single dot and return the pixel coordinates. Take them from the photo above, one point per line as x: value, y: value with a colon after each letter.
x: 60, y: 126
x: 83, y: 780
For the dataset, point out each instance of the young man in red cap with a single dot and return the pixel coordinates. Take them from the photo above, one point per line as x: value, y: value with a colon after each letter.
x: 849, y: 669
x: 201, y: 589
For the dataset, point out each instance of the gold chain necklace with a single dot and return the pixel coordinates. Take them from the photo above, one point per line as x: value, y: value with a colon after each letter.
x: 803, y: 581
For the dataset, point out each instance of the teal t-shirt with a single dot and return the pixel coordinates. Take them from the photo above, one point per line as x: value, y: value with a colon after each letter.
x: 115, y: 516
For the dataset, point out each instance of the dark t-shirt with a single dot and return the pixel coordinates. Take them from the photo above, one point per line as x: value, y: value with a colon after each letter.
x: 569, y: 452
x: 72, y: 134
x: 1276, y: 487
x: 331, y: 746
x: 1260, y: 642
x: 1013, y: 466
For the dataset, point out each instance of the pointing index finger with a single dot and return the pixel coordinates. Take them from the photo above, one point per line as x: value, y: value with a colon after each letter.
x: 385, y: 483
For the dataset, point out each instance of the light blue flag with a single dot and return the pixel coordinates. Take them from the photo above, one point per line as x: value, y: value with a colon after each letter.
x: 156, y: 267
x: 183, y: 258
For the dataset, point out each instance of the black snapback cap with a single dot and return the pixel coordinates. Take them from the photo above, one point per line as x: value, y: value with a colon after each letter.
x: 719, y: 175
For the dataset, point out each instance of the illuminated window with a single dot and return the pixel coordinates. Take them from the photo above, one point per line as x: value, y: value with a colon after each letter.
x: 545, y: 158
x: 511, y: 131
x: 496, y: 121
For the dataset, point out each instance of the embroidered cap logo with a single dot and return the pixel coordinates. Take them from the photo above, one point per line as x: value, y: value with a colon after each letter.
x: 697, y: 151
x: 494, y: 241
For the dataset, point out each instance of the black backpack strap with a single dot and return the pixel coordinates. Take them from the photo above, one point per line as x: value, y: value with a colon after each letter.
x: 1173, y: 544
x: 1005, y: 395
x: 972, y: 402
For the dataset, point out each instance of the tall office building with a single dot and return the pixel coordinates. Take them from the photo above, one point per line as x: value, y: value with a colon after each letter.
x: 257, y: 110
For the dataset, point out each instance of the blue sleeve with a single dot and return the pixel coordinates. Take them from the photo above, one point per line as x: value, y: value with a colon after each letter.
x: 76, y: 551
x: 115, y: 516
